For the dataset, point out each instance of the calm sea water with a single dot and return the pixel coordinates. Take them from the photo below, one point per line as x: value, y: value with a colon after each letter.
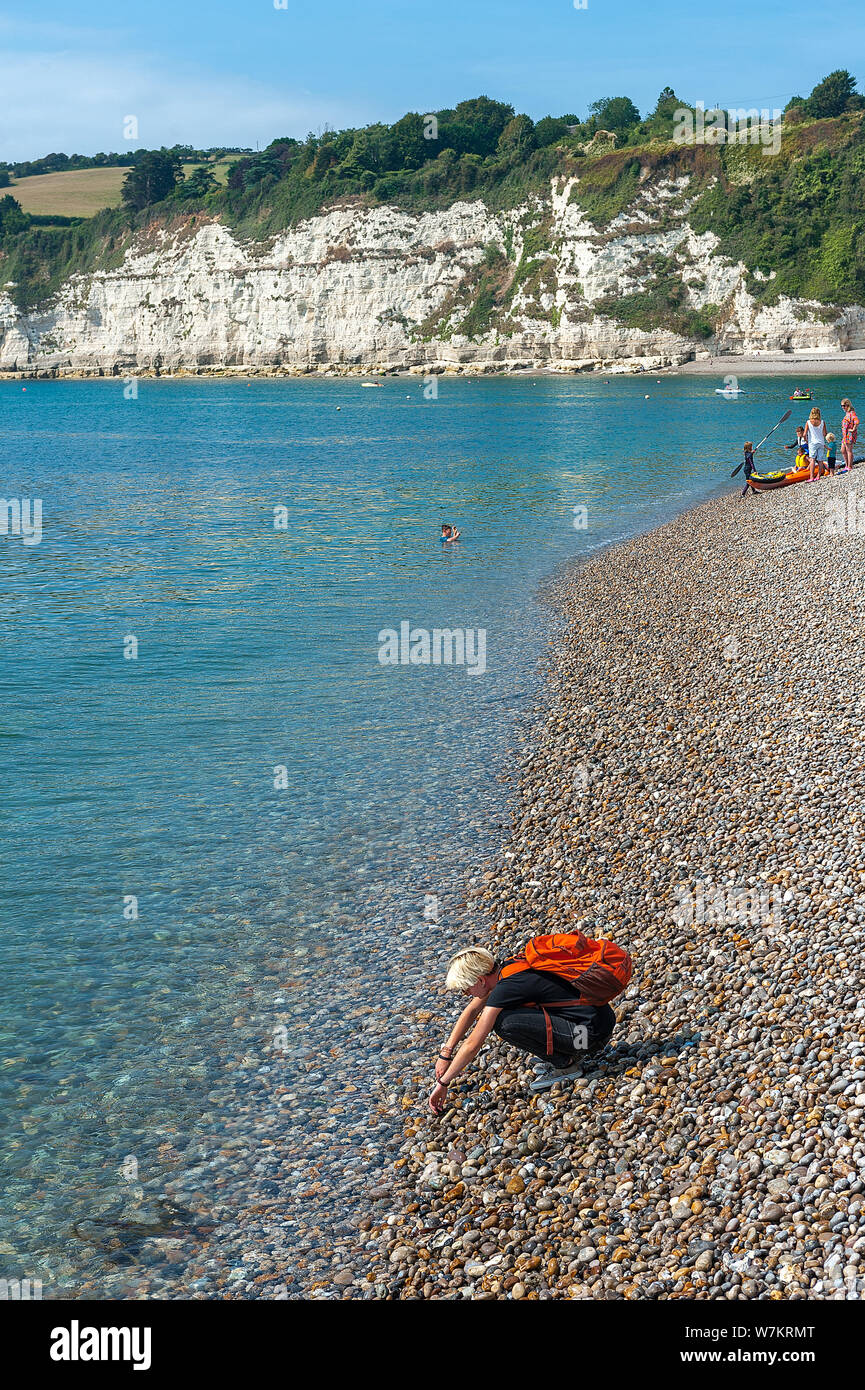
x: 204, y: 759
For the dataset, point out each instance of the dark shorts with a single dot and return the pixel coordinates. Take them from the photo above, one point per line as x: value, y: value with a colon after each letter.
x: 584, y: 1031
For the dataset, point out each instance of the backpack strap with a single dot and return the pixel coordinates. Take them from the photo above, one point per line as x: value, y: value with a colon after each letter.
x: 544, y: 1008
x: 548, y: 1022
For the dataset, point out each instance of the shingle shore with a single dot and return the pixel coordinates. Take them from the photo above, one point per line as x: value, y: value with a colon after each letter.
x: 695, y: 790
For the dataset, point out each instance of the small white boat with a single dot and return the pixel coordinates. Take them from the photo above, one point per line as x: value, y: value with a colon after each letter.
x: 729, y: 391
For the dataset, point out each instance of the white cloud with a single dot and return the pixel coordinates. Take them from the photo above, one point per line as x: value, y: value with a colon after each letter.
x: 77, y: 102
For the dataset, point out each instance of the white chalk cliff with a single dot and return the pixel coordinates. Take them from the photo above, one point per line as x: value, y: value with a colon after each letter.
x: 377, y: 288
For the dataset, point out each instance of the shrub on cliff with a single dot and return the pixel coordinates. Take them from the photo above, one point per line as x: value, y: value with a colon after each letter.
x: 664, y: 303
x: 799, y: 221
x: 40, y: 258
x: 12, y: 219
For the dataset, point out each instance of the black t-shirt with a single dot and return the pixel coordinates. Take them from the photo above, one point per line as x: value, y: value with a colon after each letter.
x: 536, y: 987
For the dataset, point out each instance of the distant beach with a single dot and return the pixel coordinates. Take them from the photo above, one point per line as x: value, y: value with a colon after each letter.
x: 798, y: 365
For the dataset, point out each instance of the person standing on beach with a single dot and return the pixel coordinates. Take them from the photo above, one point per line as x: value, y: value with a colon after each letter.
x: 516, y: 1008
x: 749, y: 465
x: 849, y: 434
x: 816, y: 436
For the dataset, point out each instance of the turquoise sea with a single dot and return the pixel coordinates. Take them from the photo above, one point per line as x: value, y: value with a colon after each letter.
x: 207, y: 769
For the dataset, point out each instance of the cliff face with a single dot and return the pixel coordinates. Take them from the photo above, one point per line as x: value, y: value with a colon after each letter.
x: 378, y: 288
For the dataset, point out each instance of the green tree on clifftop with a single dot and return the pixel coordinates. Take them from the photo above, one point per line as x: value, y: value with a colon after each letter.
x: 659, y: 123
x: 151, y: 180
x: 518, y: 137
x: 474, y: 126
x: 618, y: 114
x: 200, y: 182
x: 833, y: 96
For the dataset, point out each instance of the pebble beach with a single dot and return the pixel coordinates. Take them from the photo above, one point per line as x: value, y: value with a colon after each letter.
x: 694, y: 790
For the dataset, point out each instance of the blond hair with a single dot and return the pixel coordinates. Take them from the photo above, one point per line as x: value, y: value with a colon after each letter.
x: 467, y: 967
x: 814, y: 413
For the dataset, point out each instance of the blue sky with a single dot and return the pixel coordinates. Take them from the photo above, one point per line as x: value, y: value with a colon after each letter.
x: 209, y: 72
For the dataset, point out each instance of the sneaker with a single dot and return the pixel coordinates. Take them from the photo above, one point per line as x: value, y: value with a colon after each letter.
x: 549, y: 1079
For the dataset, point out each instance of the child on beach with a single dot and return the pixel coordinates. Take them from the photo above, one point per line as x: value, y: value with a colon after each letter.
x: 749, y: 465
x: 849, y: 434
x: 831, y: 457
x: 801, y: 458
x: 536, y: 1010
x: 816, y: 436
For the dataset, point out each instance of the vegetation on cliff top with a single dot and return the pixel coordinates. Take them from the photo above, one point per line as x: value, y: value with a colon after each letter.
x: 63, y: 163
x: 794, y: 218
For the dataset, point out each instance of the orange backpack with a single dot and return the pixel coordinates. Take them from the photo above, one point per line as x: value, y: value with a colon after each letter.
x: 598, y: 969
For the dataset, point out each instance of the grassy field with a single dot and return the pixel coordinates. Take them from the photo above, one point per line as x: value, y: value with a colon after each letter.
x: 82, y: 192
x: 74, y: 193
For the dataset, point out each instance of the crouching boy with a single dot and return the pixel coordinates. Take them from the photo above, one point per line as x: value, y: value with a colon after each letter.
x: 551, y: 1001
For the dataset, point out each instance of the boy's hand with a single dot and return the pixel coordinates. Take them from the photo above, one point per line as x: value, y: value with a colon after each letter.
x: 437, y: 1099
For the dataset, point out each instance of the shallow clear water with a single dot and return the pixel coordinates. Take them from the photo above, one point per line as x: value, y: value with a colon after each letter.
x: 157, y: 779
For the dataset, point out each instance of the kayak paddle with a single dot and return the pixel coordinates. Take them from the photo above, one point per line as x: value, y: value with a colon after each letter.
x: 763, y: 441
